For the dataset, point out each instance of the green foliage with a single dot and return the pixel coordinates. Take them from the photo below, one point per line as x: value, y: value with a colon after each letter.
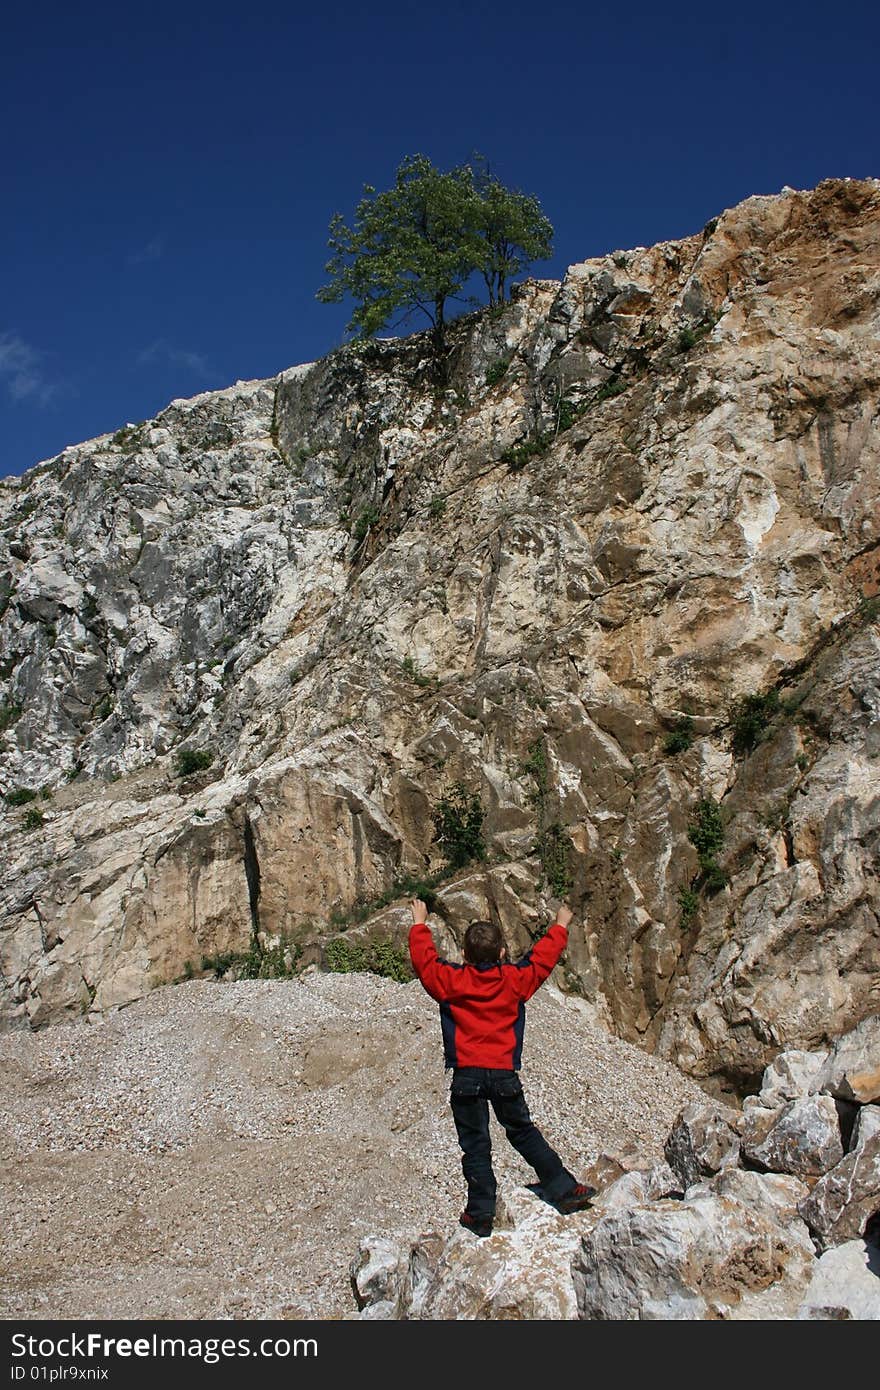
x: 436, y: 507
x: 73, y: 772
x: 552, y: 843
x: 689, y: 337
x: 458, y: 824
x: 411, y: 670
x: 129, y: 437
x: 553, y: 846
x: 190, y: 760
x: 705, y: 831
x: 364, y: 524
x: 20, y: 796
x: 751, y: 716
x: 497, y: 370
x: 706, y: 834
x: 681, y: 737
x: 510, y: 228
x: 414, y: 246
x: 374, y: 957
x: 566, y: 414
x: 257, y: 963
x: 518, y: 455
x: 10, y: 712
x: 688, y: 902
x: 46, y: 793
x: 32, y: 818
x: 105, y: 708
x: 407, y: 886
x: 612, y: 387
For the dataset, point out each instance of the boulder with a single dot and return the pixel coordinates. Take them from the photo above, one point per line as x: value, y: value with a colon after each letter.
x: 734, y: 1248
x: 852, y: 1070
x: 845, y: 1284
x: 522, y: 1271
x: 702, y: 1141
x: 805, y: 1139
x: 846, y: 1198
x: 790, y: 1075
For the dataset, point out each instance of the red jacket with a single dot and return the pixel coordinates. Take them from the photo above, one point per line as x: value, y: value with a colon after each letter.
x: 482, y: 1007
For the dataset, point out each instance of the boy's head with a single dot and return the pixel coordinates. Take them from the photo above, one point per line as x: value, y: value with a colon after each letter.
x: 484, y: 944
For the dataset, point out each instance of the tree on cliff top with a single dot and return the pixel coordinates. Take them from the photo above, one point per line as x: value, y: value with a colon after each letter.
x: 415, y: 246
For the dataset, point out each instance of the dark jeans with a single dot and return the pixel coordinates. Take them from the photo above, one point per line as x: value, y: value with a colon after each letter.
x: 473, y: 1088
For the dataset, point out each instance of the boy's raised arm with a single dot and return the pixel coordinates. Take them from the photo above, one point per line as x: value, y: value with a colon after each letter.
x: 534, y: 967
x: 437, y: 976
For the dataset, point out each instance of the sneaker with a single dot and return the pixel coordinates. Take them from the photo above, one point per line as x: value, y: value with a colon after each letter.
x: 576, y: 1199
x: 477, y: 1225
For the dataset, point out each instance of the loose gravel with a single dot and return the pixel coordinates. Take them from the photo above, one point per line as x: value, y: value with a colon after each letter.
x: 217, y: 1150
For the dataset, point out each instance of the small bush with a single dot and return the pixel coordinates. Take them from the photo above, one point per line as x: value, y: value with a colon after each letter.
x: 688, y: 902
x: 436, y: 507
x: 612, y: 387
x: 104, y: 709
x: 553, y: 846
x: 458, y: 823
x: 681, y: 737
x: 706, y: 834
x: 129, y: 437
x: 566, y: 414
x: 20, y: 796
x: 516, y: 456
x: 497, y: 370
x: 32, y: 818
x: 190, y: 760
x: 751, y: 716
x: 364, y: 524
x: 414, y: 674
x: 373, y: 957
x: 257, y: 963
x: 689, y: 337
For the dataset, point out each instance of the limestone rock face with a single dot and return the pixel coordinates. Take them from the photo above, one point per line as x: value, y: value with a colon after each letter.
x: 350, y: 588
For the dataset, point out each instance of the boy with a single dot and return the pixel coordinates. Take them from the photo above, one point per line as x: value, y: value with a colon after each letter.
x: 482, y: 1016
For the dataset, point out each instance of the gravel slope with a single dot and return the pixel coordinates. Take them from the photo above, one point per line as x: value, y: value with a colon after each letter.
x: 217, y: 1150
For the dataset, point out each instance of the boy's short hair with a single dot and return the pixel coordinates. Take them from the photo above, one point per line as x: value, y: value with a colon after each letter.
x: 483, y: 943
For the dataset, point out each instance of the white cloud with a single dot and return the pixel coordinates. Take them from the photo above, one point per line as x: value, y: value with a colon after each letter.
x: 163, y: 351
x: 22, y: 372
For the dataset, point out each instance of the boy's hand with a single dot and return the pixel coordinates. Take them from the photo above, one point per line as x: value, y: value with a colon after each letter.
x: 564, y: 915
x: 419, y: 911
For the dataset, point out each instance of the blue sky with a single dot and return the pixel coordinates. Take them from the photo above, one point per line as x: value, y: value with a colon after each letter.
x: 169, y: 174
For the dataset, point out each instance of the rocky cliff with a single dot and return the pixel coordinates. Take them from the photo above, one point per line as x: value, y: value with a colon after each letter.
x: 614, y: 580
